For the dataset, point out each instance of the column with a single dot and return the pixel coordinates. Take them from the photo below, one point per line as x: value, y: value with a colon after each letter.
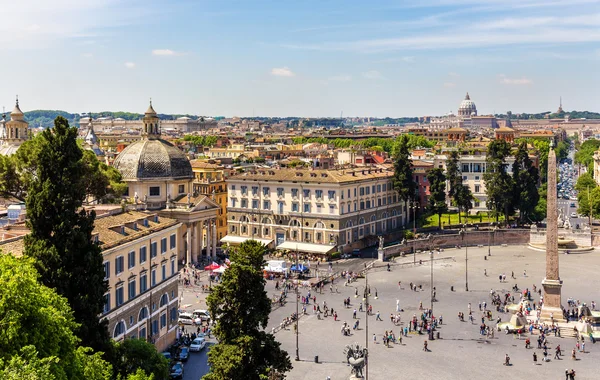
x: 215, y: 242
x: 188, y: 256
x: 195, y: 241
x: 208, y: 254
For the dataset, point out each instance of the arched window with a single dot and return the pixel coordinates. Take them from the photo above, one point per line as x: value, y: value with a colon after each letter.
x: 361, y: 221
x: 294, y: 223
x: 244, y: 219
x: 143, y: 314
x: 119, y: 329
x: 164, y: 300
x: 349, y: 224
x: 319, y: 225
x: 266, y: 221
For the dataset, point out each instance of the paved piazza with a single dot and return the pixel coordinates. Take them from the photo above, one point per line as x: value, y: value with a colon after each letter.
x: 461, y: 353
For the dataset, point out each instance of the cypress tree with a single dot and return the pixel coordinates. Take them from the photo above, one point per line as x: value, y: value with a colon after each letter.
x: 60, y: 241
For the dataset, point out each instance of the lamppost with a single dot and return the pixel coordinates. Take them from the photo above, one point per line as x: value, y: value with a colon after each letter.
x: 414, y: 206
x: 431, y: 285
x: 297, y: 297
x: 463, y: 232
x: 489, y: 246
x: 366, y: 297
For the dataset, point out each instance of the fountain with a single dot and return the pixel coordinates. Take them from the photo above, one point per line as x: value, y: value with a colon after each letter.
x: 565, y: 243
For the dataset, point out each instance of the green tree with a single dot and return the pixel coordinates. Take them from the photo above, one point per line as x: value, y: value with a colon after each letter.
x: 454, y: 178
x: 497, y: 181
x: 464, y: 200
x: 404, y: 182
x: 437, y: 191
x: 585, y: 153
x: 244, y: 350
x: 37, y: 338
x: 525, y: 180
x: 18, y: 171
x: 136, y: 354
x: 60, y: 240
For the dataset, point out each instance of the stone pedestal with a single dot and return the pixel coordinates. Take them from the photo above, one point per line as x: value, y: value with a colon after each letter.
x: 552, y: 309
x: 380, y: 254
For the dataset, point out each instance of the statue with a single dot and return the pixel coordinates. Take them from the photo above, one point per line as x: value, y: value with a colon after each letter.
x: 189, y: 196
x: 403, y: 241
x: 145, y: 198
x: 356, y: 356
x: 381, y: 240
x: 136, y: 198
x: 567, y: 224
x: 168, y: 197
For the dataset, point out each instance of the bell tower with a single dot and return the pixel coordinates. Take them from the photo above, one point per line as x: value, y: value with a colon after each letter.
x: 151, y: 122
x: 16, y: 128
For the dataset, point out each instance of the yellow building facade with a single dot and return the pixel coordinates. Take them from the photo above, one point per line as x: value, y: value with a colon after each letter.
x: 209, y: 180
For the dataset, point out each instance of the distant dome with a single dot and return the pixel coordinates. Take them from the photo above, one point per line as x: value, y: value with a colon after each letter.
x: 149, y: 159
x: 467, y: 107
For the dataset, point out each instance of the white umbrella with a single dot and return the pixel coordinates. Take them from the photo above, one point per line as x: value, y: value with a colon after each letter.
x: 220, y: 269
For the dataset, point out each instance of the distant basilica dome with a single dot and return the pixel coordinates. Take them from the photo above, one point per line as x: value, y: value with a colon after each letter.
x: 467, y: 107
x: 151, y: 157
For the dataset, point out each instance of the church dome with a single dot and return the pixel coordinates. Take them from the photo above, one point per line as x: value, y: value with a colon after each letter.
x: 153, y: 159
x: 467, y: 107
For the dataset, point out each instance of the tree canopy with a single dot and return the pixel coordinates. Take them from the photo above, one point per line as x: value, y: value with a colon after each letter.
x: 437, y: 190
x: 525, y: 180
x: 244, y: 350
x: 585, y: 153
x: 133, y: 355
x: 498, y: 183
x: 60, y: 239
x: 102, y: 182
x: 404, y: 182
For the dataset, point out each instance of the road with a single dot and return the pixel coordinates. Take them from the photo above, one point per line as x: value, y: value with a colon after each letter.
x: 197, y: 365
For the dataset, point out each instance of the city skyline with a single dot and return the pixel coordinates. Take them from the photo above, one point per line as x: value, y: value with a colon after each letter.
x: 314, y: 59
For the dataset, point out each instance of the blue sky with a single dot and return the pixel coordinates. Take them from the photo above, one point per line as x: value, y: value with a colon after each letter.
x: 302, y: 57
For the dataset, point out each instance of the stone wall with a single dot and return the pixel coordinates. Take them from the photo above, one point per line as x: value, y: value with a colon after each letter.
x: 471, y: 238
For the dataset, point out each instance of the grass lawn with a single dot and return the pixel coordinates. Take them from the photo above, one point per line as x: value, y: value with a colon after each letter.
x: 433, y: 221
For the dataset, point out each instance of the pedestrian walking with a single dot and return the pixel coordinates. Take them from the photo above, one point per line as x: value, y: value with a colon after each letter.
x: 534, y: 358
x: 397, y: 306
x: 354, y: 314
x: 425, y: 346
x: 378, y: 316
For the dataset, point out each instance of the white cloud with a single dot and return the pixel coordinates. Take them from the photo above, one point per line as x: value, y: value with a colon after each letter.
x: 282, y: 72
x: 464, y: 38
x: 129, y: 65
x: 449, y: 84
x: 372, y: 74
x: 165, y: 52
x: 87, y: 55
x: 514, y: 81
x: 340, y: 78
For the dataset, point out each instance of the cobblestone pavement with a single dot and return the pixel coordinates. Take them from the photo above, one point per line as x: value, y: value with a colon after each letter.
x: 461, y: 353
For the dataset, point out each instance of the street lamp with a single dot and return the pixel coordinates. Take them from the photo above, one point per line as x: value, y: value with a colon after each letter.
x: 366, y: 297
x: 463, y: 232
x: 297, y: 296
x: 489, y: 246
x: 414, y: 208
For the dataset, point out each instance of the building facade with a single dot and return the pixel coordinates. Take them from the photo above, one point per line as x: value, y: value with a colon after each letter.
x: 209, y: 180
x: 335, y: 208
x: 13, y: 132
x: 140, y: 265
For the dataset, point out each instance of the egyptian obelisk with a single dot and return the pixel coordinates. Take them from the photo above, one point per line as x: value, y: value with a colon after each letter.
x: 552, y: 283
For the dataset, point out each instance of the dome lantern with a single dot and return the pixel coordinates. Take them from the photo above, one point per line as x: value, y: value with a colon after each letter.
x: 151, y: 122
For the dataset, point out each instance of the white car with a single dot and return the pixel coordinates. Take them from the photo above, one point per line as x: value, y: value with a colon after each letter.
x: 573, y: 215
x: 203, y: 315
x: 188, y: 319
x: 198, y: 344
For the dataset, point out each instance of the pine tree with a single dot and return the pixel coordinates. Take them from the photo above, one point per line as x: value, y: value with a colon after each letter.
x: 454, y: 178
x: 404, y: 182
x: 437, y: 193
x: 498, y: 183
x: 60, y: 240
x: 245, y: 350
x: 464, y: 200
x: 525, y: 180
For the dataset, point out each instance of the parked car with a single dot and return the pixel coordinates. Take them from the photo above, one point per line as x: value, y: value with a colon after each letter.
x: 346, y: 256
x: 198, y: 343
x: 184, y: 354
x: 203, y: 315
x: 188, y: 319
x: 573, y: 204
x: 177, y: 371
x: 573, y: 215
